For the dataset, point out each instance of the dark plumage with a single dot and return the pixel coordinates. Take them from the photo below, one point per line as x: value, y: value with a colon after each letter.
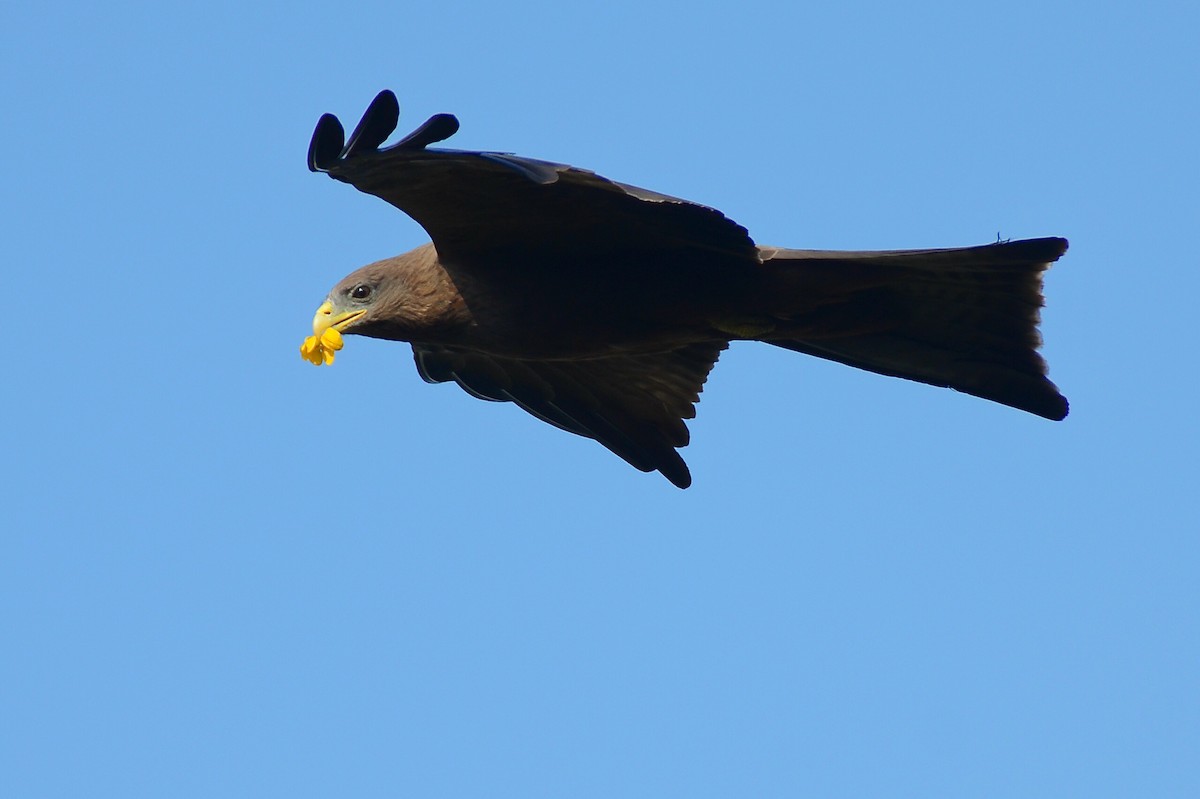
x: 601, y: 307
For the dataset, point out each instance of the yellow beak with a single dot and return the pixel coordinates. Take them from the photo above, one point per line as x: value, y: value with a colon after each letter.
x: 325, y: 318
x: 319, y: 348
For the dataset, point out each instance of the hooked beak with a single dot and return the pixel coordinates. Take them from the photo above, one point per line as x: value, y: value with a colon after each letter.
x: 325, y: 318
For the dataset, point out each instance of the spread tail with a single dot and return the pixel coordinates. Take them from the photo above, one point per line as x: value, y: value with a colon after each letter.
x: 963, y: 318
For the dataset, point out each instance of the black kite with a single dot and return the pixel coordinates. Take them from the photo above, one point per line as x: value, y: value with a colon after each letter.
x: 600, y: 307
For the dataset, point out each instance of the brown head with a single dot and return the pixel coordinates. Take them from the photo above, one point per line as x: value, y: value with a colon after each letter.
x: 406, y: 298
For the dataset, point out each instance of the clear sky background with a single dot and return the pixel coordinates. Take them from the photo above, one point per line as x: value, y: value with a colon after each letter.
x: 226, y: 573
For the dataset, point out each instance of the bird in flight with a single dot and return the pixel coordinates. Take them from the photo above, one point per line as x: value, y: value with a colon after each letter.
x: 600, y: 307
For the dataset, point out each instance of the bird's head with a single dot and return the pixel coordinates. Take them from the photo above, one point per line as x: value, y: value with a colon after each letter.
x: 393, y: 299
x: 348, y: 309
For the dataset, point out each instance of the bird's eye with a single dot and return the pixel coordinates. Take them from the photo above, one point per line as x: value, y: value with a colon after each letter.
x: 360, y: 292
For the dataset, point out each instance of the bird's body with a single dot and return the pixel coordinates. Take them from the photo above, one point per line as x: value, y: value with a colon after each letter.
x: 548, y: 312
x: 600, y: 307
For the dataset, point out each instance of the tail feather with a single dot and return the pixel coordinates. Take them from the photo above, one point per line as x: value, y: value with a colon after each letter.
x: 961, y: 318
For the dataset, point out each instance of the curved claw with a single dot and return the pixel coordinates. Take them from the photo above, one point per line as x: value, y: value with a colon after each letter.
x: 377, y: 123
x: 326, y: 145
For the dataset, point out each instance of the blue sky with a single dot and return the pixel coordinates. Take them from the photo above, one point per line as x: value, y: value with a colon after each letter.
x: 227, y: 573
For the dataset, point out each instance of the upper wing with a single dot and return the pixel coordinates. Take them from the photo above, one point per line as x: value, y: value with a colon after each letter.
x: 478, y: 203
x: 632, y: 404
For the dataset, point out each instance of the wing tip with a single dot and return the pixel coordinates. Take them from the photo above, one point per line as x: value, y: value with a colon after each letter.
x: 438, y: 127
x: 677, y: 472
x: 1056, y: 409
x: 326, y: 146
x: 377, y: 123
x: 329, y: 146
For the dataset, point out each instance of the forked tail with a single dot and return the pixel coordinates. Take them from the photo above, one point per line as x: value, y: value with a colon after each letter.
x: 962, y: 318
